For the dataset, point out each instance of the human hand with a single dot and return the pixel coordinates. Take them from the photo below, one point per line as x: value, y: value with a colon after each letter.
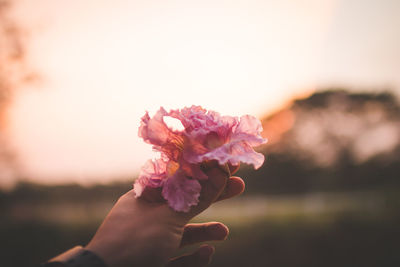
x: 145, y: 231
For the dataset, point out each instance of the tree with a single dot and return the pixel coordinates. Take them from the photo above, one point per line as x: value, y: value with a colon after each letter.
x: 13, y: 72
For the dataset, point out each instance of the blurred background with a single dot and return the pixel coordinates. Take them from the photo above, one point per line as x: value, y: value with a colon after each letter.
x: 323, y: 76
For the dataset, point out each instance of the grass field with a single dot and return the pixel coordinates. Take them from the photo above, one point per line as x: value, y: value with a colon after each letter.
x: 318, y: 229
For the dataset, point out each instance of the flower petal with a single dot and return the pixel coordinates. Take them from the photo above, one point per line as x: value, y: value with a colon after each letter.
x: 199, y: 122
x: 181, y: 192
x: 152, y: 174
x: 154, y: 130
x: 249, y: 129
x: 233, y: 153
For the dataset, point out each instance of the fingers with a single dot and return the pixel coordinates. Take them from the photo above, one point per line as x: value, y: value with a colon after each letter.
x: 200, y: 258
x: 218, y: 186
x: 229, y: 168
x: 196, y: 233
x: 210, y: 190
x: 151, y: 195
x: 235, y: 186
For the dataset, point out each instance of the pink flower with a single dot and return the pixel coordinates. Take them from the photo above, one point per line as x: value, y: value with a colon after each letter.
x: 206, y: 136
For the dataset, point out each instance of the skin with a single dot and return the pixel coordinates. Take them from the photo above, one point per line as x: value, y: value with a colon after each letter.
x: 145, y: 231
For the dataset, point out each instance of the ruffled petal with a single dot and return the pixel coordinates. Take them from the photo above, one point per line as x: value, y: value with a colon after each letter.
x: 199, y: 122
x: 152, y: 174
x: 181, y: 192
x: 249, y: 129
x: 156, y: 132
x: 233, y: 153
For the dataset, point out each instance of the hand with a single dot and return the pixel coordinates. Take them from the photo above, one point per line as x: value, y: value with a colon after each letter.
x: 146, y: 231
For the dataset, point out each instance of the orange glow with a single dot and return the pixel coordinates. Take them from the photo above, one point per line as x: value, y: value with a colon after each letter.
x: 274, y: 127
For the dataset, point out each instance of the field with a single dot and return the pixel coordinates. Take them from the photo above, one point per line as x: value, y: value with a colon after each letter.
x: 314, y: 229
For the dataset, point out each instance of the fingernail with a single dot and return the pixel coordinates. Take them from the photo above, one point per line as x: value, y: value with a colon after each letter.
x: 206, y: 251
x: 221, y: 231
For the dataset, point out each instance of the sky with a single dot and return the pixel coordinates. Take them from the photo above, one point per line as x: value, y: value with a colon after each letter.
x: 104, y: 63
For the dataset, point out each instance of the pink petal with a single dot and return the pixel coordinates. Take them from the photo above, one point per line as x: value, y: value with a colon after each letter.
x: 249, y: 124
x: 249, y: 129
x: 199, y: 122
x: 152, y: 174
x: 154, y: 130
x: 181, y: 192
x: 138, y: 188
x: 233, y: 153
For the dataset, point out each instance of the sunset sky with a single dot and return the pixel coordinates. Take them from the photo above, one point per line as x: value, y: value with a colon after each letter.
x: 104, y: 63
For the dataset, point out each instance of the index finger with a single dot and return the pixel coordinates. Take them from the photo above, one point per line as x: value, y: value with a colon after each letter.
x: 211, y: 189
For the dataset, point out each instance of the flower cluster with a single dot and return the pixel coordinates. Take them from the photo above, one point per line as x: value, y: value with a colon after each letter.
x: 206, y: 135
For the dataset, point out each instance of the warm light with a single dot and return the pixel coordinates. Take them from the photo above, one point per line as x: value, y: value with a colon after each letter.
x: 104, y: 63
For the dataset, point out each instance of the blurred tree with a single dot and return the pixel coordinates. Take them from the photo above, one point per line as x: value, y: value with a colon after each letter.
x: 331, y: 140
x: 13, y: 72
